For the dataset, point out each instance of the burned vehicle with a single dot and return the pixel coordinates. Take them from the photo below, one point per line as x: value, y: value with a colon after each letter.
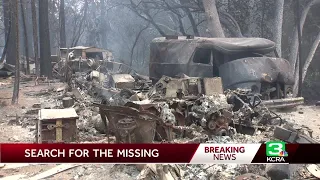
x: 242, y: 63
x: 82, y: 58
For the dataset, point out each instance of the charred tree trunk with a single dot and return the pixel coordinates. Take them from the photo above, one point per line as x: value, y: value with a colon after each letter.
x: 294, y: 48
x: 103, y: 28
x: 25, y: 35
x: 4, y: 52
x: 263, y: 18
x: 147, y: 17
x: 62, y: 18
x: 15, y: 16
x: 310, y: 56
x: 278, y: 25
x: 45, y: 51
x: 295, y: 44
x: 300, y: 50
x: 213, y: 20
x: 231, y: 24
x: 191, y: 18
x: 136, y: 41
x: 35, y: 37
x: 9, y: 18
x: 254, y: 29
x: 81, y: 29
x: 6, y: 15
x: 193, y: 22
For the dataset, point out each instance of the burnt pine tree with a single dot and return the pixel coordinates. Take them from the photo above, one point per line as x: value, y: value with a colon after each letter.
x: 7, y: 26
x: 8, y: 13
x: 214, y: 24
x: 45, y: 52
x: 103, y: 24
x: 25, y: 35
x: 35, y: 36
x: 4, y: 52
x: 62, y: 18
x: 15, y: 15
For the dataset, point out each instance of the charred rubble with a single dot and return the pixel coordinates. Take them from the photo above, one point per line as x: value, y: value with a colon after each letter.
x: 125, y: 107
x: 128, y: 108
x: 113, y: 99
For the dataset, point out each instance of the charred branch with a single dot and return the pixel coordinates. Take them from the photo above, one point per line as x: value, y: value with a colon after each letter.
x: 231, y: 24
x: 136, y: 41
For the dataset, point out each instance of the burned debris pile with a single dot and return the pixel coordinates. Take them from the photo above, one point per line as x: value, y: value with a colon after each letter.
x: 127, y: 108
x: 115, y: 104
x: 113, y: 99
x: 193, y: 109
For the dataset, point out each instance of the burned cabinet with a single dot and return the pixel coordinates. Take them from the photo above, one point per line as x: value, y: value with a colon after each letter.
x: 57, y: 126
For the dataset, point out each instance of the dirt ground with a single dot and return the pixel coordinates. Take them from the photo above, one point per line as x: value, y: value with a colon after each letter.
x: 308, y: 116
x: 12, y: 131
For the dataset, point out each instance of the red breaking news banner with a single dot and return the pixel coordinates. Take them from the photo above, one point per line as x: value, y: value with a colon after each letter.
x: 98, y: 153
x: 272, y: 152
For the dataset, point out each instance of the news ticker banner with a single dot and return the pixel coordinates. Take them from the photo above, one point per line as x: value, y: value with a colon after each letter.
x: 271, y: 152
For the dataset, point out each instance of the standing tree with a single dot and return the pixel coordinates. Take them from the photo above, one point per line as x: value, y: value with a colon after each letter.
x: 35, y: 36
x: 62, y: 18
x: 136, y: 41
x: 45, y: 51
x: 278, y: 25
x: 294, y: 47
x: 8, y: 6
x: 15, y: 16
x: 4, y: 52
x: 295, y: 44
x: 213, y: 20
x: 103, y: 24
x: 6, y: 15
x: 79, y: 27
x: 25, y: 35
